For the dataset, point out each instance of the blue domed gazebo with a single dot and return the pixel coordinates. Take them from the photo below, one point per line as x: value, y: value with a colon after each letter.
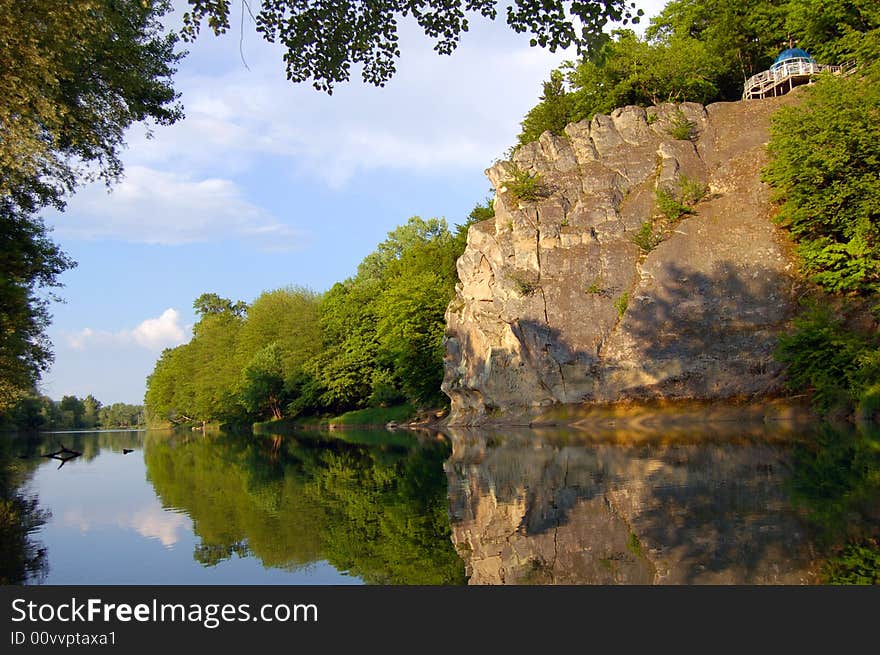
x: 790, y: 55
x: 792, y: 68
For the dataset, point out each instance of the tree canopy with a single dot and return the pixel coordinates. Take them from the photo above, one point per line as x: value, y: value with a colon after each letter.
x: 34, y: 412
x: 825, y: 160
x: 199, y: 380
x: 373, y: 340
x: 323, y: 39
x: 74, y: 76
x: 825, y: 173
x: 29, y: 263
x: 697, y: 51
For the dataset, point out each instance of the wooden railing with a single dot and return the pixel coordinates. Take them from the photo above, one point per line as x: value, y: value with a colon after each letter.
x: 789, y: 73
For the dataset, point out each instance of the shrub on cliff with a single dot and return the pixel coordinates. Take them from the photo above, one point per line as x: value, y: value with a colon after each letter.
x: 528, y: 187
x: 555, y: 110
x: 825, y: 170
x: 831, y: 358
x: 680, y: 199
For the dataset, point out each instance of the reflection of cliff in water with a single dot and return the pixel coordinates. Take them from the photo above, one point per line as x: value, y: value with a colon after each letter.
x: 555, y: 511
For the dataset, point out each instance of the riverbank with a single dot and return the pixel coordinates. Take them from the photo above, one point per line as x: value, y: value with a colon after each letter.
x: 629, y: 420
x: 372, y: 417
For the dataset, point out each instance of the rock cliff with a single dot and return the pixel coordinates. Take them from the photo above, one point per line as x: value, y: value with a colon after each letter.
x: 561, y: 303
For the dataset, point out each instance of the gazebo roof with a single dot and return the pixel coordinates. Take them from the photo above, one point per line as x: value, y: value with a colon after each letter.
x: 791, y: 53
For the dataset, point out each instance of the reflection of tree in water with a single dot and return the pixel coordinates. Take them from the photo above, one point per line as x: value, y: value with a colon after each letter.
x: 22, y: 560
x: 213, y: 554
x: 375, y: 507
x: 836, y: 483
x: 90, y: 444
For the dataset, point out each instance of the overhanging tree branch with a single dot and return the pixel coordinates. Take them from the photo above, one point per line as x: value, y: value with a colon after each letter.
x: 324, y: 38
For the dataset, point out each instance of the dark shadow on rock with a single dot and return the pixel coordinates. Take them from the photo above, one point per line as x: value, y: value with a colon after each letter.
x: 719, y: 329
x: 685, y: 334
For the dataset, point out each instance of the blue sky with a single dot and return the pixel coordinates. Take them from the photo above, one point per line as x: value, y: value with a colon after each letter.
x: 267, y: 183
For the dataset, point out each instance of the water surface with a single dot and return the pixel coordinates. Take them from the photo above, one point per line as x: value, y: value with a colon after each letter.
x: 378, y: 507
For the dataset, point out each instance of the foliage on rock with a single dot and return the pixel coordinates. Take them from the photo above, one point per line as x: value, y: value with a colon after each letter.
x: 697, y: 51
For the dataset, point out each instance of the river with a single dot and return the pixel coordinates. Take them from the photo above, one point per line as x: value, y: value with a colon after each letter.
x: 480, y: 507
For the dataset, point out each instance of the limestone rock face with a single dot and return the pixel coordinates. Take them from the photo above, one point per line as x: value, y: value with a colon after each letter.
x: 557, y: 304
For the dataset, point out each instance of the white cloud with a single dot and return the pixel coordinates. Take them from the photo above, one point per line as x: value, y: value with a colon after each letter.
x: 160, y: 207
x: 156, y: 333
x: 437, y: 114
x: 192, y: 182
x: 152, y: 334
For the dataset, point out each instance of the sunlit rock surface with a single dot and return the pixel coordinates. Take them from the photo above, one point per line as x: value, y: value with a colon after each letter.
x: 558, y: 305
